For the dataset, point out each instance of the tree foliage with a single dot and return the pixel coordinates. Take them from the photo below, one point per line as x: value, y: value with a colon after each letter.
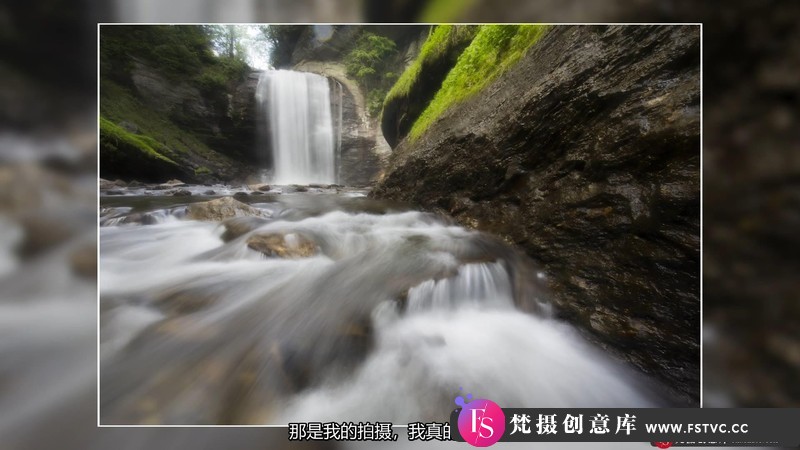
x: 368, y: 61
x: 210, y: 56
x: 282, y: 39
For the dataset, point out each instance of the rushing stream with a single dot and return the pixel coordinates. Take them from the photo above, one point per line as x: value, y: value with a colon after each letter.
x: 373, y: 311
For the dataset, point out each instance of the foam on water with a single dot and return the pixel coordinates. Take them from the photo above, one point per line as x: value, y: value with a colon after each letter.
x: 386, y: 321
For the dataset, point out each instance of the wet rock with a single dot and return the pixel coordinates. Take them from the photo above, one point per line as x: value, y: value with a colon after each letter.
x: 115, y: 192
x: 210, y: 192
x: 140, y: 218
x: 182, y: 193
x: 44, y: 232
x: 129, y: 126
x: 221, y: 209
x: 173, y: 184
x: 106, y: 185
x: 185, y: 301
x: 83, y: 261
x: 292, y: 245
x: 260, y: 187
x: 241, y: 195
x: 239, y: 226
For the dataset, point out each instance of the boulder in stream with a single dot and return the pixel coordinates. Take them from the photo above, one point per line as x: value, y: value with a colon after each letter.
x: 291, y: 245
x: 221, y: 209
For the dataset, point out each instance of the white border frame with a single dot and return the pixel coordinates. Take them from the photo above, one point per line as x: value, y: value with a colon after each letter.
x: 99, y: 24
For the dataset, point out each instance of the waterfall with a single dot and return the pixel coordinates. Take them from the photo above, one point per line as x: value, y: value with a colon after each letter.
x: 297, y: 106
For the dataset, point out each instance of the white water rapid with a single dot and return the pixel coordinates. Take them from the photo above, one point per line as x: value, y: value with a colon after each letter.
x: 392, y: 314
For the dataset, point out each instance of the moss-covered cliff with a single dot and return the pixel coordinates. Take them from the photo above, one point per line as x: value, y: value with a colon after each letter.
x: 585, y: 153
x: 170, y: 107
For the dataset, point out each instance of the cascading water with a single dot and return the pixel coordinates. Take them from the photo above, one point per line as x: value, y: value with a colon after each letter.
x: 297, y: 106
x: 394, y: 311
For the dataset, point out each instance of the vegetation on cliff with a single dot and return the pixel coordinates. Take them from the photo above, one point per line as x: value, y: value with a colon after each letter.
x: 207, y: 56
x: 422, y: 79
x: 115, y: 138
x: 494, y: 49
x: 198, y: 68
x: 155, y: 136
x: 369, y: 62
x: 282, y: 40
x: 441, y: 39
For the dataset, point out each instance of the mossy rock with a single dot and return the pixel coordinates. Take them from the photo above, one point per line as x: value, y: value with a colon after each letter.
x: 134, y: 155
x: 419, y: 83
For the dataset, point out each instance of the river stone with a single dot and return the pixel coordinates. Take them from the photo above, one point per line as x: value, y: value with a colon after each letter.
x: 83, y: 261
x: 106, y: 185
x: 260, y: 187
x: 291, y: 245
x: 221, y: 209
x: 182, y: 193
x: 172, y: 184
x: 239, y: 226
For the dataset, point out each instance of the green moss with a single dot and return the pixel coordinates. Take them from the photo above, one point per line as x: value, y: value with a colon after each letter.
x: 367, y: 62
x: 438, y: 43
x: 494, y: 49
x: 117, y: 104
x: 444, y: 10
x: 116, y: 138
x: 202, y: 171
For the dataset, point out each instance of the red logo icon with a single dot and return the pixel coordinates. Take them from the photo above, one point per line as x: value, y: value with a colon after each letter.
x: 663, y: 444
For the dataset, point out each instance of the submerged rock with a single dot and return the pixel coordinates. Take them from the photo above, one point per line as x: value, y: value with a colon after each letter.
x: 292, y: 245
x: 260, y: 187
x: 105, y: 184
x: 221, y: 209
x: 83, y: 261
x: 182, y: 193
x: 239, y: 226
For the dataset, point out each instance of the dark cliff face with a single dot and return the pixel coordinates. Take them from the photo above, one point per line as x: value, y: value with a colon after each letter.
x: 586, y: 154
x: 223, y: 120
x: 207, y: 136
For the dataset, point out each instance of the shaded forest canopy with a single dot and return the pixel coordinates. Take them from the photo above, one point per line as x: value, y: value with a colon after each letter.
x: 185, y: 53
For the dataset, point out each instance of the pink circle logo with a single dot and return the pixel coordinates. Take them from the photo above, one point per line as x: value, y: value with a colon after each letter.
x: 481, y: 422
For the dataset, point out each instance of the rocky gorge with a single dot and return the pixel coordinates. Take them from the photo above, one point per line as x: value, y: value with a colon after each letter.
x: 586, y: 155
x: 543, y: 181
